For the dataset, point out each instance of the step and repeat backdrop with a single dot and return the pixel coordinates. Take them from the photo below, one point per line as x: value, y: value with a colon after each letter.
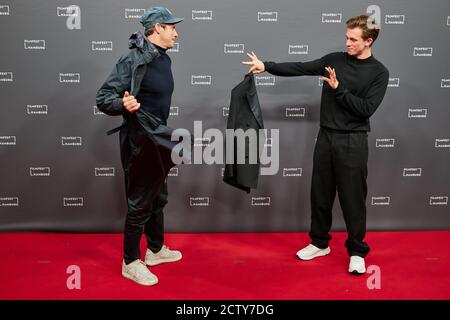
x: 60, y: 171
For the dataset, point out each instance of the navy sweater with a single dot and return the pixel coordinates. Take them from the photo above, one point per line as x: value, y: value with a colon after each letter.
x: 155, y: 94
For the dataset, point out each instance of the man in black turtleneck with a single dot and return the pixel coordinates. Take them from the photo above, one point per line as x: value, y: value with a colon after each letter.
x: 354, y: 86
x: 155, y: 95
x: 140, y: 89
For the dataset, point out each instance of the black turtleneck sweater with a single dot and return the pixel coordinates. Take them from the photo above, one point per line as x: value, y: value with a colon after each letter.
x: 362, y: 86
x: 155, y: 94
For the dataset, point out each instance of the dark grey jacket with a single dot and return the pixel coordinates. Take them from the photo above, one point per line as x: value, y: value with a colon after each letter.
x: 139, y: 128
x: 245, y: 113
x: 127, y: 75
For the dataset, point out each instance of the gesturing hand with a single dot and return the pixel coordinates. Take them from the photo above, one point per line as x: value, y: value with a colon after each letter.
x: 257, y: 66
x: 332, y: 80
x: 130, y: 103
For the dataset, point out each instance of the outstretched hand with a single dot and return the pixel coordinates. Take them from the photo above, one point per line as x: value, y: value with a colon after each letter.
x: 257, y: 66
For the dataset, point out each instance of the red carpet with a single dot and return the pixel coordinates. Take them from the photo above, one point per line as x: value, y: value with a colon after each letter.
x: 255, y: 266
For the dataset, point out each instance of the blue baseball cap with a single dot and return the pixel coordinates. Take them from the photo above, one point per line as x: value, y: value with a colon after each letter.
x: 156, y: 15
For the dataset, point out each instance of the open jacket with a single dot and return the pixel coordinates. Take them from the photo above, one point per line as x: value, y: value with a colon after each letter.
x: 139, y: 128
x: 245, y: 113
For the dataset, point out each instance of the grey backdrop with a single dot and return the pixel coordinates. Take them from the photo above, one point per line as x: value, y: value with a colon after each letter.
x: 60, y: 172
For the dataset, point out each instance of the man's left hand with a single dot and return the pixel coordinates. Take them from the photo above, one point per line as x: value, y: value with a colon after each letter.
x: 332, y: 80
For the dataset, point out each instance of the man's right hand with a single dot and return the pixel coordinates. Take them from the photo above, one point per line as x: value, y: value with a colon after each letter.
x: 257, y: 66
x: 130, y: 103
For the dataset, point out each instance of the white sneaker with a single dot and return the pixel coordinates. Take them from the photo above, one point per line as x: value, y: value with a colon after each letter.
x: 357, y: 265
x: 310, y: 252
x: 162, y: 256
x: 138, y: 272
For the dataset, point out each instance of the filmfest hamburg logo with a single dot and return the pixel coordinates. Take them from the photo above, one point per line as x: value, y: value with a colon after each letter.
x: 7, y: 140
x: 295, y: 112
x: 233, y: 48
x: 292, y: 172
x: 331, y: 17
x: 174, y: 111
x: 445, y: 83
x: 67, y: 11
x: 201, y: 80
x: 448, y: 20
x: 418, y: 113
x: 34, y: 44
x: 199, y: 201
x: 133, y: 13
x: 225, y: 111
x: 298, y: 49
x: 37, y: 109
x: 6, y: 76
x: 265, y: 80
x: 202, y: 141
x: 202, y: 14
x: 9, y: 201
x: 104, y: 172
x: 4, y: 10
x: 438, y: 200
x: 442, y: 143
x: 394, y: 82
x: 69, y: 77
x: 102, y: 46
x: 71, y: 141
x: 394, y: 19
x: 73, y: 201
x: 40, y: 172
x: 385, y: 143
x: 423, y: 52
x: 260, y: 201
x: 267, y: 16
x: 412, y: 172
x: 381, y: 201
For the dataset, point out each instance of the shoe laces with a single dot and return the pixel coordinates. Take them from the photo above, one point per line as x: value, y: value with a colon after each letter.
x: 141, y: 268
x: 164, y: 249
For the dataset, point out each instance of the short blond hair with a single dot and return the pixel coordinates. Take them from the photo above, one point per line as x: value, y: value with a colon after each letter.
x: 363, y: 21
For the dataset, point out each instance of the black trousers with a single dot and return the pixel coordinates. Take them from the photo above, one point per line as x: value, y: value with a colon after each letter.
x: 340, y: 164
x: 146, y: 190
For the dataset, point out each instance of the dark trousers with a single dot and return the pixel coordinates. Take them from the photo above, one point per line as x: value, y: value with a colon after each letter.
x: 146, y: 190
x: 340, y: 164
x: 149, y: 221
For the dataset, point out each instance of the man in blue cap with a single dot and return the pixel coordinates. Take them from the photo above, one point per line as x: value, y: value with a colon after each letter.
x: 140, y: 89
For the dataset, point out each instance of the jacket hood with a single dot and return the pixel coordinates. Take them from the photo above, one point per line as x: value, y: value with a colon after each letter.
x: 137, y: 40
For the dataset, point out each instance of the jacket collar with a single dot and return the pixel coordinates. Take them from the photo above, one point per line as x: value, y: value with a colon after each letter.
x: 146, y: 49
x: 252, y: 99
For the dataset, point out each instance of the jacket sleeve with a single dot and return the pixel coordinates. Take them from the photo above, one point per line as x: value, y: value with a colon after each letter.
x: 292, y: 69
x: 364, y: 107
x: 109, y: 96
